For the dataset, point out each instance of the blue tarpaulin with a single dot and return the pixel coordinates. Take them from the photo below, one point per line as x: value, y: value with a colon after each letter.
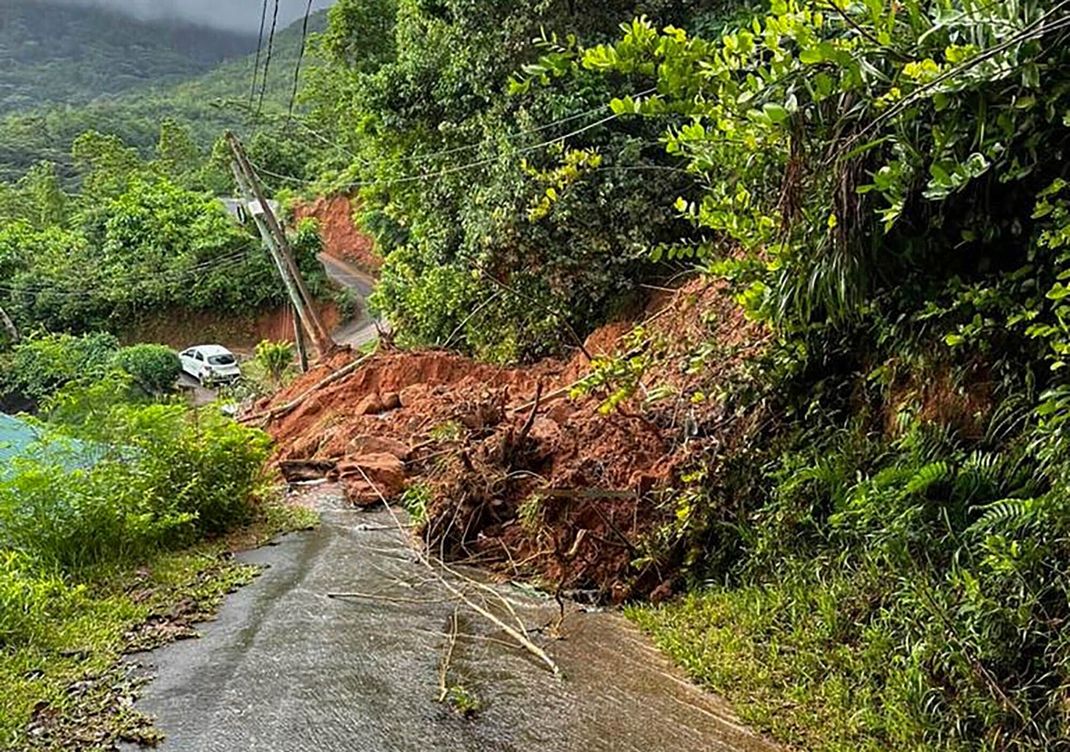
x: 21, y: 439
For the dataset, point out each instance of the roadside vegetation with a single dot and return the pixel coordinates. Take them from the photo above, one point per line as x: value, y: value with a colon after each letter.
x: 119, y: 511
x: 887, y: 525
x: 139, y: 237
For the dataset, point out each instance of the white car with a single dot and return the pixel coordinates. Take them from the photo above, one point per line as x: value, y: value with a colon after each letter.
x: 210, y: 364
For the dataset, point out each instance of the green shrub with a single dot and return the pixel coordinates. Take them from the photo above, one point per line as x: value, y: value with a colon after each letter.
x: 154, y: 368
x: 275, y: 358
x: 44, y: 363
x: 165, y: 476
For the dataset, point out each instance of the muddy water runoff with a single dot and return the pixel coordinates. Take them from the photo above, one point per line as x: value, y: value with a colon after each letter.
x: 287, y: 669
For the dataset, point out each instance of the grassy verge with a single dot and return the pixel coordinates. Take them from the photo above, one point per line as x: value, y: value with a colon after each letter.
x: 71, y: 690
x: 771, y: 652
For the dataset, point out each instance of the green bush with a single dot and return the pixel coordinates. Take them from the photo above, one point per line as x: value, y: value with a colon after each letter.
x: 165, y: 476
x: 275, y: 358
x: 154, y: 368
x: 43, y: 363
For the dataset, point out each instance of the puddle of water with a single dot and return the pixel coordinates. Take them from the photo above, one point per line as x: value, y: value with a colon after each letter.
x: 285, y: 668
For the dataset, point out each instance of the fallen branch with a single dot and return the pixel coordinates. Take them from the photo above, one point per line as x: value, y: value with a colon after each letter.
x: 292, y: 405
x: 530, y: 422
x: 444, y: 668
x: 518, y: 634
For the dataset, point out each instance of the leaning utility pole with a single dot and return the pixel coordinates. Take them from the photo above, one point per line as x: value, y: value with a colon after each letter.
x: 299, y: 340
x: 278, y: 246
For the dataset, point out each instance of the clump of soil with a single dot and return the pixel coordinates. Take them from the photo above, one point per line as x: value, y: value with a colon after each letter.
x: 515, y: 468
x: 341, y: 238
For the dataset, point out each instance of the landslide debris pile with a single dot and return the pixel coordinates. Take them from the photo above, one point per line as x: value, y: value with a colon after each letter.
x: 516, y: 468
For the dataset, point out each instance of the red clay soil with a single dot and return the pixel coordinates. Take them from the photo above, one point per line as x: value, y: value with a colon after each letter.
x: 341, y: 238
x: 180, y: 329
x: 554, y: 488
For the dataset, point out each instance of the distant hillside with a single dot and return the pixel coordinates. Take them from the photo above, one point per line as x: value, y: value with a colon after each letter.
x: 52, y: 53
x: 209, y: 103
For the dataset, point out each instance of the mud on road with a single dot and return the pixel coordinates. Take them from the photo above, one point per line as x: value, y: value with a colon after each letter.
x: 287, y: 668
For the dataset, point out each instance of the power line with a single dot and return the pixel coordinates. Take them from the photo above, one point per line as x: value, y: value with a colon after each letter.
x: 460, y: 168
x: 529, y: 131
x: 300, y: 56
x: 267, y: 62
x: 259, y: 48
x: 172, y: 276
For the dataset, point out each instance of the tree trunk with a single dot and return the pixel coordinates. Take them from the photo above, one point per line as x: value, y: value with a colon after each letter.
x: 9, y: 325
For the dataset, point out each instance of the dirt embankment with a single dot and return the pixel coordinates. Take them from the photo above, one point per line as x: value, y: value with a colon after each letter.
x: 517, y: 470
x: 180, y: 329
x: 341, y: 238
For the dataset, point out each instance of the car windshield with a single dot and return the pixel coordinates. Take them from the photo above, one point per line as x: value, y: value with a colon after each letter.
x: 221, y: 360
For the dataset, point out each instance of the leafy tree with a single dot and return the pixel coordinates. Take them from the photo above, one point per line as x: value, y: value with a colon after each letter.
x: 438, y: 104
x: 106, y: 162
x: 177, y: 155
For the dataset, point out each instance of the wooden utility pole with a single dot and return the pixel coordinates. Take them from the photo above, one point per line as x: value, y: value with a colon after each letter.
x: 278, y: 245
x: 299, y: 340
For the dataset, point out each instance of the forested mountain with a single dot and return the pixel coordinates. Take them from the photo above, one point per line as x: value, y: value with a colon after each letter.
x: 54, y: 53
x: 207, y: 103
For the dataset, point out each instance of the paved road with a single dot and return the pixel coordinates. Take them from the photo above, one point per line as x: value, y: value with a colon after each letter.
x: 200, y: 394
x: 287, y: 669
x: 363, y: 330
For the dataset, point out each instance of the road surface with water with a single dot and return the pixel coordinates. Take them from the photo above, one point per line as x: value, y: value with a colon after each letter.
x: 285, y: 668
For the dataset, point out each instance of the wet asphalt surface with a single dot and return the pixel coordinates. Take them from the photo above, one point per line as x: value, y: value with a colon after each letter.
x: 364, y: 328
x: 286, y: 669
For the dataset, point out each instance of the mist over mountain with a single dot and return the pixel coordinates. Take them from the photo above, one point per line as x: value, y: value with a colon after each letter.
x: 73, y: 87
x: 234, y: 15
x: 65, y: 53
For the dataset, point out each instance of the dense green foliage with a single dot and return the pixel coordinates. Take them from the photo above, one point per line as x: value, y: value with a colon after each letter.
x: 205, y: 104
x: 476, y: 254
x: 154, y: 368
x: 888, y: 516
x: 57, y: 53
x: 141, y: 236
x: 41, y: 365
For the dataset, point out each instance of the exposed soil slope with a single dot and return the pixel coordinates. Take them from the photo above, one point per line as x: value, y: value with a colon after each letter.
x: 341, y: 238
x: 517, y: 470
x: 180, y: 329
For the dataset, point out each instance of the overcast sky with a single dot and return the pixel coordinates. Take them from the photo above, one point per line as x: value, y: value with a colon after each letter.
x: 239, y: 15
